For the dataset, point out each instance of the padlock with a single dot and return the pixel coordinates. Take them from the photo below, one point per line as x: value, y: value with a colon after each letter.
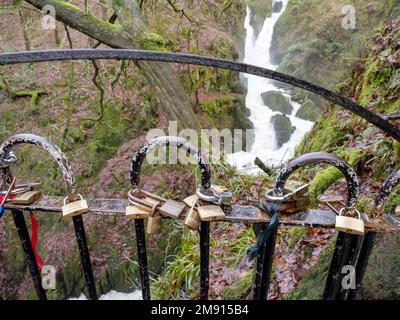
x: 191, y: 200
x: 349, y: 224
x: 172, y: 208
x: 192, y: 219
x: 296, y: 188
x: 210, y: 213
x: 135, y: 212
x: 154, y: 224
x: 27, y: 197
x: 75, y: 208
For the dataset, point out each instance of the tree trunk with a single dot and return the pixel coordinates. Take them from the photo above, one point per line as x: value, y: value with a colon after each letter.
x: 163, y: 79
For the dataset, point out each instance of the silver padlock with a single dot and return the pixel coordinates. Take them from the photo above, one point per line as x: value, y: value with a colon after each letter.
x: 349, y: 224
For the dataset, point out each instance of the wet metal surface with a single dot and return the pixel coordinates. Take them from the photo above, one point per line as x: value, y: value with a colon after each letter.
x: 7, y: 157
x: 184, y: 58
x: 235, y: 213
x: 319, y: 158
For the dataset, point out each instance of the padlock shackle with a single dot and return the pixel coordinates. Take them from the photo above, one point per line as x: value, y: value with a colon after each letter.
x: 158, y: 142
x: 52, y: 149
x: 317, y: 158
x: 387, y: 188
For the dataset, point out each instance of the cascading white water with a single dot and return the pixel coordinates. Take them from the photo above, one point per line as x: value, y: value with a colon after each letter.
x: 257, y: 52
x: 115, y: 295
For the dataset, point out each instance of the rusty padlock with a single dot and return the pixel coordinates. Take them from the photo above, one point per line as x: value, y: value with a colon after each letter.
x: 350, y: 225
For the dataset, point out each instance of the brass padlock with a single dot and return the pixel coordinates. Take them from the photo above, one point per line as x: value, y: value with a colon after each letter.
x: 349, y: 224
x: 26, y: 197
x: 154, y: 224
x: 191, y: 200
x: 172, y: 208
x: 192, y: 220
x: 75, y: 208
x: 136, y: 212
x: 210, y: 213
x: 154, y: 221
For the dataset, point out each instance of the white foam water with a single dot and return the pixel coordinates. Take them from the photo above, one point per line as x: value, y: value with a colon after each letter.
x: 257, y: 52
x: 115, y: 295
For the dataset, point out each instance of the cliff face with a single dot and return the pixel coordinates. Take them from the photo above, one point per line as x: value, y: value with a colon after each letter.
x: 311, y: 43
x: 374, y: 83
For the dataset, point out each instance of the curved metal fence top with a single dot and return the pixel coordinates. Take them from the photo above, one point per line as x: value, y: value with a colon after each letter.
x: 317, y: 158
x: 181, y: 143
x: 52, y: 149
x: 183, y: 58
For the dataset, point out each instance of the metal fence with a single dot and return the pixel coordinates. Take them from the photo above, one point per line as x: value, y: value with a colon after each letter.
x: 351, y: 248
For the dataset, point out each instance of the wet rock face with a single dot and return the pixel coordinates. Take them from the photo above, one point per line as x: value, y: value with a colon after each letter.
x: 309, y: 111
x: 277, y: 6
x: 283, y: 128
x: 276, y: 101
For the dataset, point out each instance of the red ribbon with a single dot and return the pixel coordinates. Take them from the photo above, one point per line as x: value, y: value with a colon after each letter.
x: 34, y: 235
x: 34, y: 240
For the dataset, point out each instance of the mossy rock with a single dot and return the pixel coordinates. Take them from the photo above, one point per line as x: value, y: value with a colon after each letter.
x: 277, y: 6
x: 325, y: 178
x: 311, y: 287
x: 276, y: 101
x: 382, y: 277
x: 260, y: 10
x: 309, y: 111
x: 240, y: 289
x: 381, y: 280
x: 283, y: 128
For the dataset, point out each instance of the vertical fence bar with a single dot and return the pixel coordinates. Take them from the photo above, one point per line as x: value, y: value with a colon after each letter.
x: 204, y: 259
x: 346, y: 252
x: 85, y: 256
x: 362, y: 263
x: 142, y: 257
x: 264, y: 267
x: 23, y: 234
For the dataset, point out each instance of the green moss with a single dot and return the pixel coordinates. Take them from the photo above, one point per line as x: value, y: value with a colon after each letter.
x: 240, y: 289
x: 313, y: 283
x: 153, y: 41
x: 328, y: 133
x: 295, y: 235
x: 325, y: 178
x: 309, y: 111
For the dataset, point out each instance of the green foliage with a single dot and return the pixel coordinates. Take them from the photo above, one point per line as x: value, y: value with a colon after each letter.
x: 325, y: 178
x: 240, y: 289
x: 296, y: 234
x: 7, y: 123
x: 239, y: 247
x: 153, y: 41
x: 312, y: 285
x: 182, y: 272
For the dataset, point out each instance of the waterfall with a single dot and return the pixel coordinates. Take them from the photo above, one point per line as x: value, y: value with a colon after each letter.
x: 257, y: 52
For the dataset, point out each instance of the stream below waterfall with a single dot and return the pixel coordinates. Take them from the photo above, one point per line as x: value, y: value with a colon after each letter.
x: 265, y: 147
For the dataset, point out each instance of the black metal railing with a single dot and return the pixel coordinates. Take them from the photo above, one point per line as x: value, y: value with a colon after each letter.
x: 349, y: 249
